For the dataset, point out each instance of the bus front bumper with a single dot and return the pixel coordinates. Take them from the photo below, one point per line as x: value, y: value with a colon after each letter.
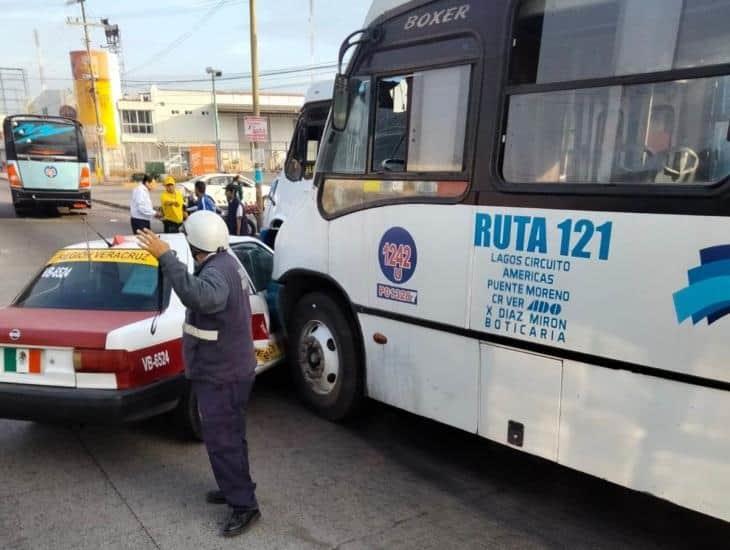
x: 38, y: 197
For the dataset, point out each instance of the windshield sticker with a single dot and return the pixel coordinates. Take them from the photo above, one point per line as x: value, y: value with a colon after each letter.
x: 127, y: 256
x: 56, y: 272
x: 398, y: 256
x: 708, y: 294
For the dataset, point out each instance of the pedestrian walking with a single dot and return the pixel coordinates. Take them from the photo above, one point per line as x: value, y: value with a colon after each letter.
x: 141, y: 210
x: 218, y: 354
x: 172, y: 203
x: 235, y: 217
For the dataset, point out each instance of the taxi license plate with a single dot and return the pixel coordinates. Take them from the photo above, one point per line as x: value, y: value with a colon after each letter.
x: 21, y: 360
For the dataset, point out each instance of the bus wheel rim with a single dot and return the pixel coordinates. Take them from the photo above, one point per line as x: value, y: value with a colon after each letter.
x: 318, y: 358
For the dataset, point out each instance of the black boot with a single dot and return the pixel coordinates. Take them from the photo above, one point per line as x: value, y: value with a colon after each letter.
x: 240, y: 521
x: 215, y: 497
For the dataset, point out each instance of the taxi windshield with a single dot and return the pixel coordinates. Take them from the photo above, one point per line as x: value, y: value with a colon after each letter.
x: 96, y: 280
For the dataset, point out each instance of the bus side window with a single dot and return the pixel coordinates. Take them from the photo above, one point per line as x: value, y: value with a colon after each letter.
x: 420, y: 121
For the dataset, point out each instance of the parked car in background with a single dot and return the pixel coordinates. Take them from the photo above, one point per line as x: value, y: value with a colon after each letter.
x: 215, y: 184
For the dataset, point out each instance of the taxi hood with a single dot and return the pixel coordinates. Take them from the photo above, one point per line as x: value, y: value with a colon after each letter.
x: 63, y: 327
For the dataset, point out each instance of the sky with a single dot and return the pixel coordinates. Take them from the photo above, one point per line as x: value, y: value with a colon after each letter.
x: 177, y: 39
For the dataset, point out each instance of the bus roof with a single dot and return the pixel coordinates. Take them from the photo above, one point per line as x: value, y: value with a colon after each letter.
x: 379, y: 7
x: 48, y: 118
x: 319, y: 91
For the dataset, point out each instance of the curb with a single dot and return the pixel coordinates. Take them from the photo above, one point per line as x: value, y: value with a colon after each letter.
x: 111, y: 204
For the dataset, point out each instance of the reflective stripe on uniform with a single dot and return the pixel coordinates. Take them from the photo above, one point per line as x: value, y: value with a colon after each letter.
x: 200, y: 334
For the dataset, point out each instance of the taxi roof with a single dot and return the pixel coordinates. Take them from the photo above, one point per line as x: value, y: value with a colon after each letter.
x: 177, y: 241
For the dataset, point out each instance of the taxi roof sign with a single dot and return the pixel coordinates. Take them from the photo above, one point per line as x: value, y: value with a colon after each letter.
x: 125, y: 255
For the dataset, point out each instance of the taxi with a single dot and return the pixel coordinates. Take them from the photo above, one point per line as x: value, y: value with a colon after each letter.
x: 96, y: 336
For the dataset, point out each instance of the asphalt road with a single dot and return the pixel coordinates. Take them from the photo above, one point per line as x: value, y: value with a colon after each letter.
x: 391, y: 480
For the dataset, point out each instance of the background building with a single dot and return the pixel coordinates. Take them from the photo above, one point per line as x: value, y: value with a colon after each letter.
x: 49, y: 102
x: 172, y: 126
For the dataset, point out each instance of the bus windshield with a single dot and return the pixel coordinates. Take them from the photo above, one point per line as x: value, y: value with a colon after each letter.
x: 43, y: 138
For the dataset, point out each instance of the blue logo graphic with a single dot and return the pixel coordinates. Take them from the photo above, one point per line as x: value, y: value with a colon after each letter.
x: 708, y: 293
x: 397, y: 255
x: 50, y: 171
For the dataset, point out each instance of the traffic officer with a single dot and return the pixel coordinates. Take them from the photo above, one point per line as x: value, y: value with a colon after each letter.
x: 218, y: 353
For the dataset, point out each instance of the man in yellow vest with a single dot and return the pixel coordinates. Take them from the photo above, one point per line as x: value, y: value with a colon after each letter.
x: 173, y: 203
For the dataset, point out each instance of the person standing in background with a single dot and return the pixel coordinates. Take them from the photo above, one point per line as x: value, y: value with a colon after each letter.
x: 141, y: 210
x: 203, y: 200
x: 235, y: 219
x: 172, y: 203
x: 239, y: 187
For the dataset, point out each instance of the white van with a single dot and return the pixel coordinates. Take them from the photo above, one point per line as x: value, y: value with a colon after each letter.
x: 294, y: 183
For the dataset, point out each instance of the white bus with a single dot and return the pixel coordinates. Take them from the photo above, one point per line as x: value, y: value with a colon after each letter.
x: 521, y: 229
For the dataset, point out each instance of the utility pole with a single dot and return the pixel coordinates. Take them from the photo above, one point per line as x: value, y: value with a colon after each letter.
x: 41, y: 74
x: 258, y: 176
x: 213, y: 74
x: 98, y: 130
x: 311, y: 38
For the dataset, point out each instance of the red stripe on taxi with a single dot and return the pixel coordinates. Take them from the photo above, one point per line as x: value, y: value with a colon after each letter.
x: 63, y: 327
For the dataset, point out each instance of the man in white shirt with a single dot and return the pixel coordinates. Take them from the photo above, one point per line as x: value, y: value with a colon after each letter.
x: 141, y: 210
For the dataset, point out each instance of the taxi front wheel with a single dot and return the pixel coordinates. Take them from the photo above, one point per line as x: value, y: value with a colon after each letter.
x: 187, y: 416
x: 324, y: 358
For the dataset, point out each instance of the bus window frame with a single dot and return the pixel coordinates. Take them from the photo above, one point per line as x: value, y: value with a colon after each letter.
x: 10, y: 150
x: 358, y: 68
x: 641, y: 190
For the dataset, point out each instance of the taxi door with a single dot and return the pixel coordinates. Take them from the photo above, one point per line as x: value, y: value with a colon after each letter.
x: 257, y: 260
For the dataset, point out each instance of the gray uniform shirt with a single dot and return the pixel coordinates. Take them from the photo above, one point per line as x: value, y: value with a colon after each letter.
x: 217, y: 339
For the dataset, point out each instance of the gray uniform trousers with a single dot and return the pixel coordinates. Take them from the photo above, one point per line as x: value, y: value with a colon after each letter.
x: 223, y: 414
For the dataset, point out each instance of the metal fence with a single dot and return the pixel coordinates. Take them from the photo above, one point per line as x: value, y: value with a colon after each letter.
x: 235, y: 157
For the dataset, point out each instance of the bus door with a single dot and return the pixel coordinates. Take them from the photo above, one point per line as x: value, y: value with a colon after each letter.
x: 391, y: 185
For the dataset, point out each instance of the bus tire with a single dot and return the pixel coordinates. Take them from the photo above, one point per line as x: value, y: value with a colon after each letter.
x: 323, y: 357
x: 20, y: 211
x: 187, y: 416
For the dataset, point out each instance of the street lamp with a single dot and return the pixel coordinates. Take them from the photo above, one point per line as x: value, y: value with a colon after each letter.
x: 213, y: 75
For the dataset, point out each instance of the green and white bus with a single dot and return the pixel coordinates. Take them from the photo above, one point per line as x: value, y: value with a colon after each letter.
x: 47, y: 163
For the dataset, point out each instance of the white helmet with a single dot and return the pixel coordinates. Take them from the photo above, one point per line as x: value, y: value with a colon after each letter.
x: 206, y: 231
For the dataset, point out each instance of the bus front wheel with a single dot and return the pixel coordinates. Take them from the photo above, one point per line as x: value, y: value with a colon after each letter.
x: 323, y: 356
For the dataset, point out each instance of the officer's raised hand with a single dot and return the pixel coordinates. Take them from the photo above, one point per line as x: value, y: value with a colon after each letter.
x: 150, y: 242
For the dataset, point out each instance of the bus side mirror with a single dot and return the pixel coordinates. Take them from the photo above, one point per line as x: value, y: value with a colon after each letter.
x: 340, y: 102
x: 293, y: 169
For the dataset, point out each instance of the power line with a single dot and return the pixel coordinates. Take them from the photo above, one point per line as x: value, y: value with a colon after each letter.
x: 232, y: 77
x: 184, y: 36
x: 241, y: 76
